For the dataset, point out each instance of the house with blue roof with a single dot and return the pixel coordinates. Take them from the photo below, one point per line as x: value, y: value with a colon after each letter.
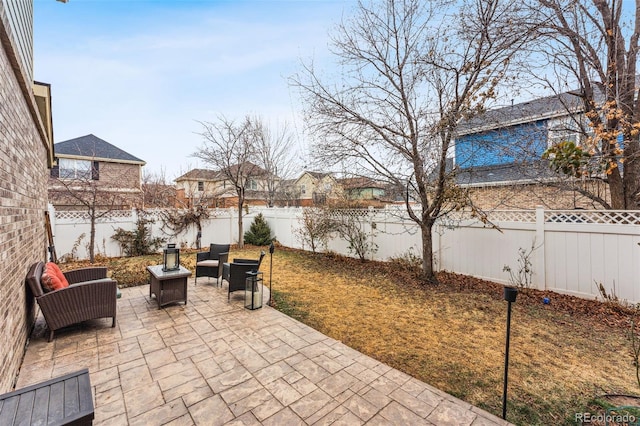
x: 89, y: 168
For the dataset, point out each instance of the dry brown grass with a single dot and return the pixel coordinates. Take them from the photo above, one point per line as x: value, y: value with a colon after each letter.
x: 452, y: 335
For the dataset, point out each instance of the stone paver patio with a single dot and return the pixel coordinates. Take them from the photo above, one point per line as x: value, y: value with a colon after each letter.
x: 212, y: 363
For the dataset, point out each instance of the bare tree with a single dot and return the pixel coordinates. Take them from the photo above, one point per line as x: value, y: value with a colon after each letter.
x: 156, y: 191
x: 230, y: 147
x: 408, y: 78
x: 315, y: 228
x: 593, y: 44
x: 275, y: 153
x: 86, y: 189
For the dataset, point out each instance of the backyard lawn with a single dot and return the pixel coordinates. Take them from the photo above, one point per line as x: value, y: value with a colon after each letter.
x: 564, y: 355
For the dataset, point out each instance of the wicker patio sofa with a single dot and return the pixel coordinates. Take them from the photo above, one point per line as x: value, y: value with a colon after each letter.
x: 90, y: 295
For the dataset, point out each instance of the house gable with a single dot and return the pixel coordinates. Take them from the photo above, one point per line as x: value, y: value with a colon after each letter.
x: 94, y: 148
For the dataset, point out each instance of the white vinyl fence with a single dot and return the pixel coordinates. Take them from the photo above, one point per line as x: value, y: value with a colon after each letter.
x: 568, y: 251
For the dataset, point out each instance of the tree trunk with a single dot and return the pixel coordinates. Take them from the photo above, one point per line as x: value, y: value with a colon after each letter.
x: 92, y: 237
x: 616, y: 189
x: 428, y: 273
x: 631, y: 178
x: 240, y: 233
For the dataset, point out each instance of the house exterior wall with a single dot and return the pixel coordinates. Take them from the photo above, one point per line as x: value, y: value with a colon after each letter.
x: 306, y: 185
x: 120, y: 175
x: 118, y: 186
x: 365, y: 193
x: 523, y: 142
x: 313, y: 186
x: 23, y: 196
x: 190, y: 188
x: 20, y: 19
x: 529, y: 196
x: 218, y: 193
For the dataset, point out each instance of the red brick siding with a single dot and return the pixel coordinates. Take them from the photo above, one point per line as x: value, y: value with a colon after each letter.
x: 529, y: 196
x: 118, y: 187
x: 23, y: 200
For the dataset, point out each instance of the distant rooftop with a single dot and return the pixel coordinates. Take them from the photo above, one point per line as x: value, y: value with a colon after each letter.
x: 536, y: 109
x: 215, y: 175
x: 91, y: 146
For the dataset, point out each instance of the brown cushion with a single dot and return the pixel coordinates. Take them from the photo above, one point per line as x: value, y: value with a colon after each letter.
x: 209, y: 263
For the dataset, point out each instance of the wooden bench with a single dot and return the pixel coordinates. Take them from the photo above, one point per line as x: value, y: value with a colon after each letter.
x: 65, y: 400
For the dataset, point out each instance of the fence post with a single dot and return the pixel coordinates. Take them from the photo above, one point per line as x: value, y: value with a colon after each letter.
x: 539, y: 267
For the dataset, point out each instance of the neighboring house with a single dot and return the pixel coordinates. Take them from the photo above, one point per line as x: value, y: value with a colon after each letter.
x: 158, y: 195
x: 288, y: 194
x: 363, y: 189
x: 214, y: 189
x: 88, y: 166
x: 498, y: 155
x: 317, y: 188
x: 27, y: 153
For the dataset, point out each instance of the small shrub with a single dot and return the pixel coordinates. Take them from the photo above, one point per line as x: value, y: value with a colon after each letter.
x: 73, y: 255
x: 351, y: 229
x: 315, y: 228
x: 138, y: 242
x: 259, y: 233
x: 408, y: 262
x: 523, y: 277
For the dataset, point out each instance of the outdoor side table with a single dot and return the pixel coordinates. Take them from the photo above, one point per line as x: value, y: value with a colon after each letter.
x: 168, y: 286
x: 64, y: 400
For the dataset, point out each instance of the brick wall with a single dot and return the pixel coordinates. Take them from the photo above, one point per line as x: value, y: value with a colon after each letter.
x: 120, y: 175
x: 23, y: 198
x: 118, y: 187
x: 529, y: 196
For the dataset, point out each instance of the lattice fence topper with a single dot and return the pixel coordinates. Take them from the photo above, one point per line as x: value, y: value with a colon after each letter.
x: 453, y: 219
x: 101, y: 216
x: 609, y: 217
x: 526, y: 216
x: 359, y: 213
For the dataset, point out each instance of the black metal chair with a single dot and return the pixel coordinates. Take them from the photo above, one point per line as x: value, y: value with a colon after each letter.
x: 235, y: 273
x: 209, y: 263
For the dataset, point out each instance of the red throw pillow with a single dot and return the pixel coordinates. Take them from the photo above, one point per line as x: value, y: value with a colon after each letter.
x: 54, y: 277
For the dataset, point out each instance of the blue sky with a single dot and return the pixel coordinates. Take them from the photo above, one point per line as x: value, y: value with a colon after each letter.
x: 141, y: 73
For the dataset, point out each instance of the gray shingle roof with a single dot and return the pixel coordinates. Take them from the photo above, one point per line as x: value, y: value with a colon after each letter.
x: 91, y: 146
x: 503, y: 173
x: 531, y: 111
x: 200, y: 174
x: 216, y: 175
x: 318, y: 175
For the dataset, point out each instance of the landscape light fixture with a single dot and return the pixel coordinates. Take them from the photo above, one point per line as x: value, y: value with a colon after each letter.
x: 272, y: 248
x: 171, y: 258
x: 510, y: 294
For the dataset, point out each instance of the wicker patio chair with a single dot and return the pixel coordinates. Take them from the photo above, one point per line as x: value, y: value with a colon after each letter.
x: 235, y: 273
x: 90, y: 295
x: 208, y: 263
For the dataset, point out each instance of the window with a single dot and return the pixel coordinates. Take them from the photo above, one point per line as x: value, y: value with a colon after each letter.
x: 252, y: 184
x: 561, y: 131
x: 78, y: 169
x: 303, y: 189
x: 200, y: 186
x: 556, y: 136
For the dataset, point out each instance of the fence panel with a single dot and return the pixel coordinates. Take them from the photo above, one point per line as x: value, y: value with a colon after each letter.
x: 481, y: 251
x: 573, y: 250
x: 580, y: 256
